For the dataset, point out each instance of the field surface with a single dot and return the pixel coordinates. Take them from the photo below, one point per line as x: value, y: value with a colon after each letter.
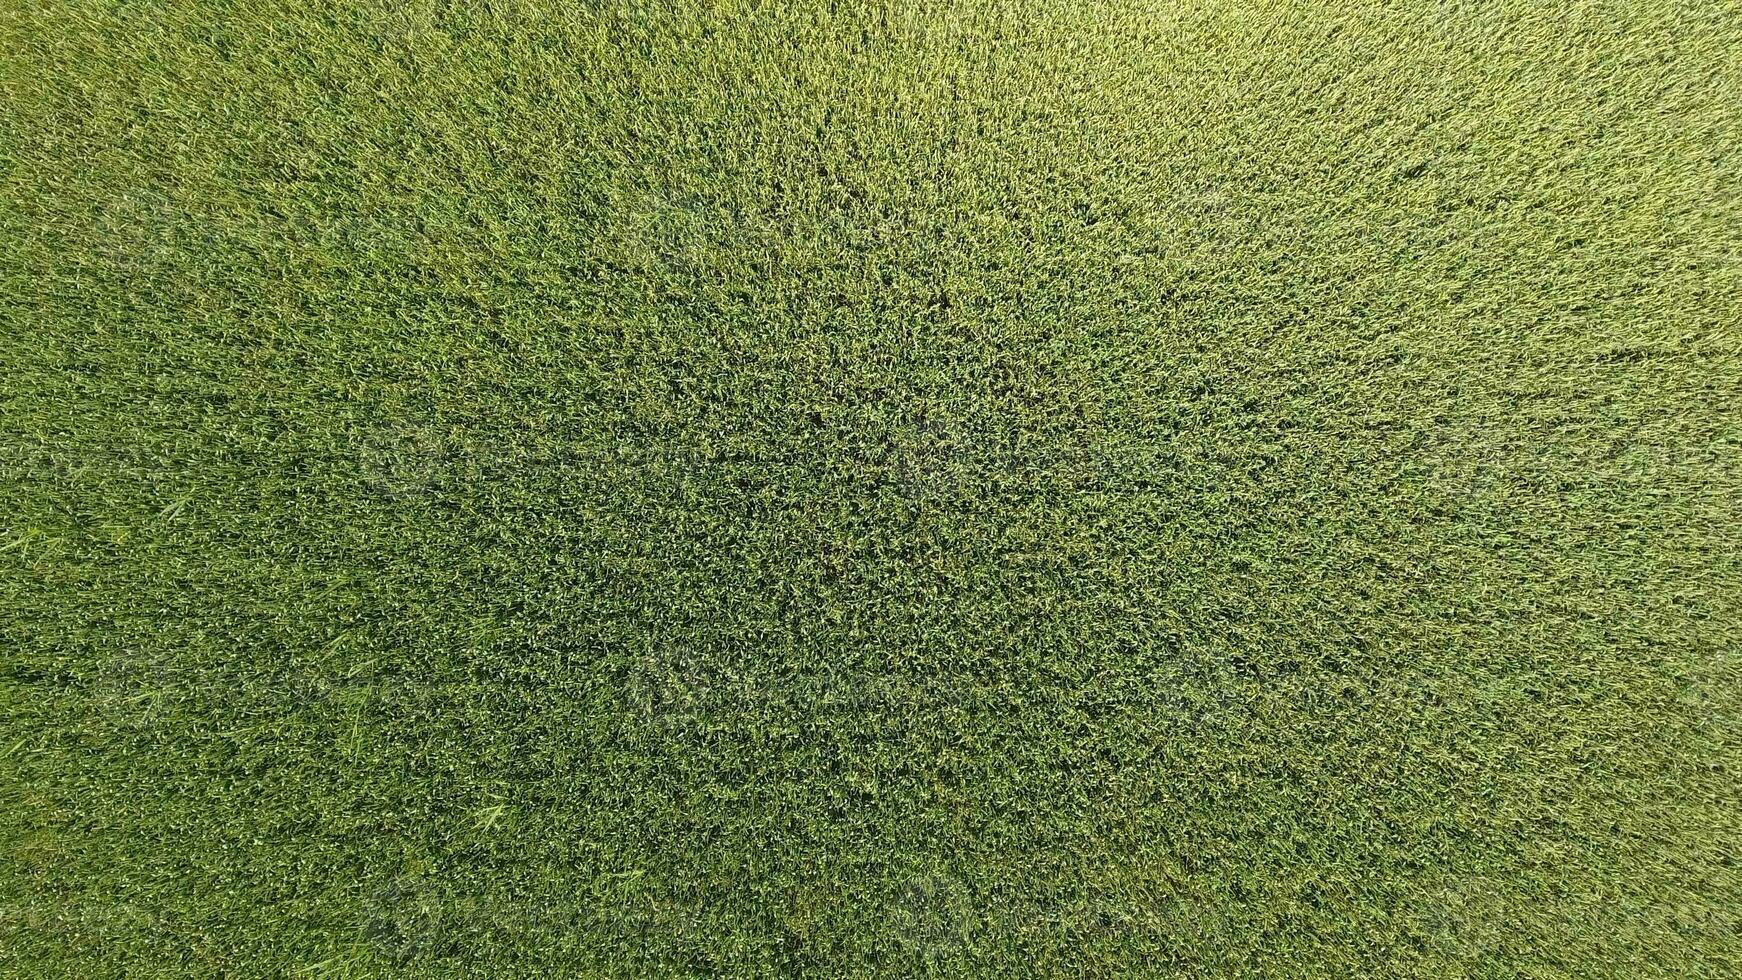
x: 831, y: 489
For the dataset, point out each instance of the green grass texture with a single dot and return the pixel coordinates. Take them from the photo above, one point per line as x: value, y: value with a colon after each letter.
x: 724, y: 488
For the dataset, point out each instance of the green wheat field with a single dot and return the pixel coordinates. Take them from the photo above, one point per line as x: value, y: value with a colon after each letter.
x: 634, y: 488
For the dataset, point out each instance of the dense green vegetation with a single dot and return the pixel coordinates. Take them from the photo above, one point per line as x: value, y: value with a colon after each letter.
x: 831, y: 489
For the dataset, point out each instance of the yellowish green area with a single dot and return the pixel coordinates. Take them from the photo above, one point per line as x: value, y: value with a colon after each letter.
x: 843, y: 489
